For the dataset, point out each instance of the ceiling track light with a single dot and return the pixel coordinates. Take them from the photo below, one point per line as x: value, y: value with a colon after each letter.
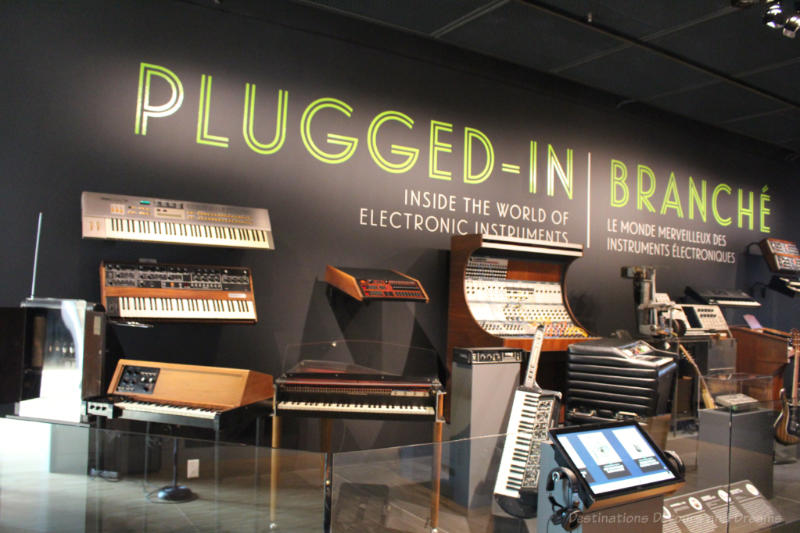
x: 791, y: 25
x: 773, y: 15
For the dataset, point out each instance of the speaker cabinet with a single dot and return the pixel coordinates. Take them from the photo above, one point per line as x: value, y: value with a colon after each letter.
x: 21, y: 355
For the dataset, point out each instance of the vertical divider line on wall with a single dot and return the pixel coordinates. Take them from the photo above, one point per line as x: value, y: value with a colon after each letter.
x: 588, y: 199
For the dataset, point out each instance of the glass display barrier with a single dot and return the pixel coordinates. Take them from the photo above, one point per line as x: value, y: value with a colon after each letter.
x: 737, y: 478
x: 73, y: 478
x: 64, y: 477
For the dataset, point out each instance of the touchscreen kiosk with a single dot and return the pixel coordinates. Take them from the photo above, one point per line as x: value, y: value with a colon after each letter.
x: 616, y: 463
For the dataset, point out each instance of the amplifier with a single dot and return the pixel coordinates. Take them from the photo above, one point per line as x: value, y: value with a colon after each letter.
x: 476, y: 356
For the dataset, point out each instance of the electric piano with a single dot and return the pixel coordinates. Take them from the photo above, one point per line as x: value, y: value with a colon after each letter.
x: 187, y: 395
x: 329, y: 389
x: 145, y: 291
x: 135, y: 218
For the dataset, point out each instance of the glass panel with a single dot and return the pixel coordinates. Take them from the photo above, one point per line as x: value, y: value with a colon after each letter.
x: 60, y: 477
x: 70, y: 478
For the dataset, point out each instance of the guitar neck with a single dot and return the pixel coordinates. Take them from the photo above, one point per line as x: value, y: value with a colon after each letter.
x: 533, y: 360
x: 796, y: 366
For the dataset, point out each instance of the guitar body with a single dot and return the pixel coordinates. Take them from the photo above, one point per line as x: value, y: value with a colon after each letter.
x: 787, y: 425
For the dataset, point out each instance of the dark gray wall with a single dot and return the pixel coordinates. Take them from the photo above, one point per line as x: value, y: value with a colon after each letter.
x: 68, y: 115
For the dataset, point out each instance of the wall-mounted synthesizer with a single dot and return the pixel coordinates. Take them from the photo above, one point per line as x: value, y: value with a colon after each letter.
x: 781, y: 256
x: 144, y: 291
x: 375, y: 284
x: 133, y: 218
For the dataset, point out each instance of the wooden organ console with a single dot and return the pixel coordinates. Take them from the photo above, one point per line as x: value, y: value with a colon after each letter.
x: 330, y: 389
x: 503, y: 288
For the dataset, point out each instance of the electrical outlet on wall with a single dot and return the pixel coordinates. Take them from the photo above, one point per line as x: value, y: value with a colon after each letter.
x: 192, y: 468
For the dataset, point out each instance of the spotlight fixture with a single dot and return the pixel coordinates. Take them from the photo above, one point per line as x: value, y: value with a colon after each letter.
x: 791, y: 26
x: 773, y: 16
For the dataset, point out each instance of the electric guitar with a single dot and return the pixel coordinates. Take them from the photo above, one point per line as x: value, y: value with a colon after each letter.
x: 787, y: 425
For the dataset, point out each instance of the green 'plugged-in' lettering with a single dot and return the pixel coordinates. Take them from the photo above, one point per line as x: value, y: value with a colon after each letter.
x: 409, y: 154
x: 643, y: 194
x: 672, y: 199
x: 619, y: 188
x: 164, y: 86
x: 742, y: 211
x: 722, y: 187
x: 763, y: 210
x: 532, y: 178
x: 248, y: 123
x: 144, y: 108
x: 437, y: 147
x: 349, y: 143
x: 203, y: 137
x: 698, y: 199
x: 554, y: 169
x: 472, y: 134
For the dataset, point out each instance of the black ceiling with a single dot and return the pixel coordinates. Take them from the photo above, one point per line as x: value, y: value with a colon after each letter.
x: 702, y: 59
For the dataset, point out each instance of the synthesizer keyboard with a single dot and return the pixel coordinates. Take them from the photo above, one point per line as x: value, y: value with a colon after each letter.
x: 532, y: 414
x: 167, y: 409
x: 191, y: 395
x: 133, y: 218
x: 144, y: 291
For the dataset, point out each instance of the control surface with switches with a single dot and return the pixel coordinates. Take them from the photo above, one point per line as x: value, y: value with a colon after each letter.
x: 474, y: 356
x: 138, y: 380
x: 515, y: 307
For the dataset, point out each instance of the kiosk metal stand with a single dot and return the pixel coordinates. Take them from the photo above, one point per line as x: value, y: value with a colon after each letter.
x: 643, y: 516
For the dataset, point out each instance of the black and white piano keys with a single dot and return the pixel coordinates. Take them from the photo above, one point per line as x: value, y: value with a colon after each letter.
x: 185, y: 233
x: 181, y: 308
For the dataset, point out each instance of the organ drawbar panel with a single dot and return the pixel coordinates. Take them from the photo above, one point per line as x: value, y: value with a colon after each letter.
x: 145, y: 291
x: 134, y: 218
